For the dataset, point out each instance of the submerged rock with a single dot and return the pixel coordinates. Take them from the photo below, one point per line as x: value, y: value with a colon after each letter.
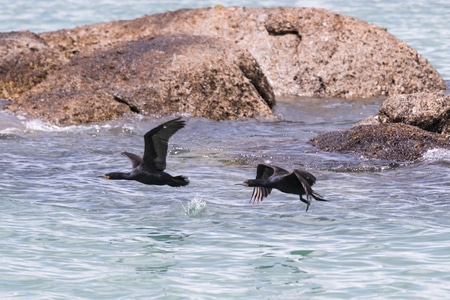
x: 405, y: 128
x: 202, y: 76
x: 429, y: 111
x: 391, y: 141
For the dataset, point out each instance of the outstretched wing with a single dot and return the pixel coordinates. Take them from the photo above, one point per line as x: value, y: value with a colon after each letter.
x: 259, y: 192
x: 135, y: 159
x: 156, y: 143
x: 305, y: 179
x: 264, y: 171
x: 310, y: 178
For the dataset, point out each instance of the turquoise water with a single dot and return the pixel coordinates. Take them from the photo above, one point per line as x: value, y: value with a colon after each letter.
x: 68, y: 234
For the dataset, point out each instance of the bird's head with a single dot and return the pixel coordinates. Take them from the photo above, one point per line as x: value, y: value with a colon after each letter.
x: 245, y: 183
x: 114, y: 175
x: 107, y: 176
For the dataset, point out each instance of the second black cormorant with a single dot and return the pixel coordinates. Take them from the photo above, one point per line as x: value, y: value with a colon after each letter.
x: 297, y: 182
x: 149, y: 169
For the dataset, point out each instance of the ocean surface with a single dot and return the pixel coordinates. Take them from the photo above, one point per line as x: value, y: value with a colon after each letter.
x: 68, y: 234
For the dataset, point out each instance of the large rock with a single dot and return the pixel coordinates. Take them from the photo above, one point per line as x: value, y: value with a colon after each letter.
x: 25, y: 60
x: 391, y: 141
x: 202, y: 76
x: 429, y: 111
x: 302, y: 51
x: 89, y: 73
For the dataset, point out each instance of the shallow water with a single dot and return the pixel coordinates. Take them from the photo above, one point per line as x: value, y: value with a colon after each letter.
x: 68, y: 234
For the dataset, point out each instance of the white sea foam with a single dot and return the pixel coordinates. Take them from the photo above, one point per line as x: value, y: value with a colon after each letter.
x: 39, y: 125
x: 9, y: 123
x: 437, y: 154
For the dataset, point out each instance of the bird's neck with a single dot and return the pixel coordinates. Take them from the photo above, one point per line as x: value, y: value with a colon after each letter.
x: 119, y: 175
x: 257, y: 182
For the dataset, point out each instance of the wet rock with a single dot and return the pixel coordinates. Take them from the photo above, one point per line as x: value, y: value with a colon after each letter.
x: 390, y: 141
x: 429, y: 111
x: 373, y: 120
x: 25, y: 60
x: 405, y: 127
x: 203, y: 76
x: 302, y: 51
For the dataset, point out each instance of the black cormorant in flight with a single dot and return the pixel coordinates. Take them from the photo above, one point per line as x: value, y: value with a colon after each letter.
x: 297, y: 182
x: 150, y: 168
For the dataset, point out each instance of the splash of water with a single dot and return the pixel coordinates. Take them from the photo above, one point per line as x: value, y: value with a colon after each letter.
x: 195, y: 208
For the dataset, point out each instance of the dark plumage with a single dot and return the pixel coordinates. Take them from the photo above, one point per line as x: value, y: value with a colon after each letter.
x: 297, y: 182
x: 150, y: 168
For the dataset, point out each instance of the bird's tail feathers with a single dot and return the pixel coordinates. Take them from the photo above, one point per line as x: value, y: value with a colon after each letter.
x: 179, y: 181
